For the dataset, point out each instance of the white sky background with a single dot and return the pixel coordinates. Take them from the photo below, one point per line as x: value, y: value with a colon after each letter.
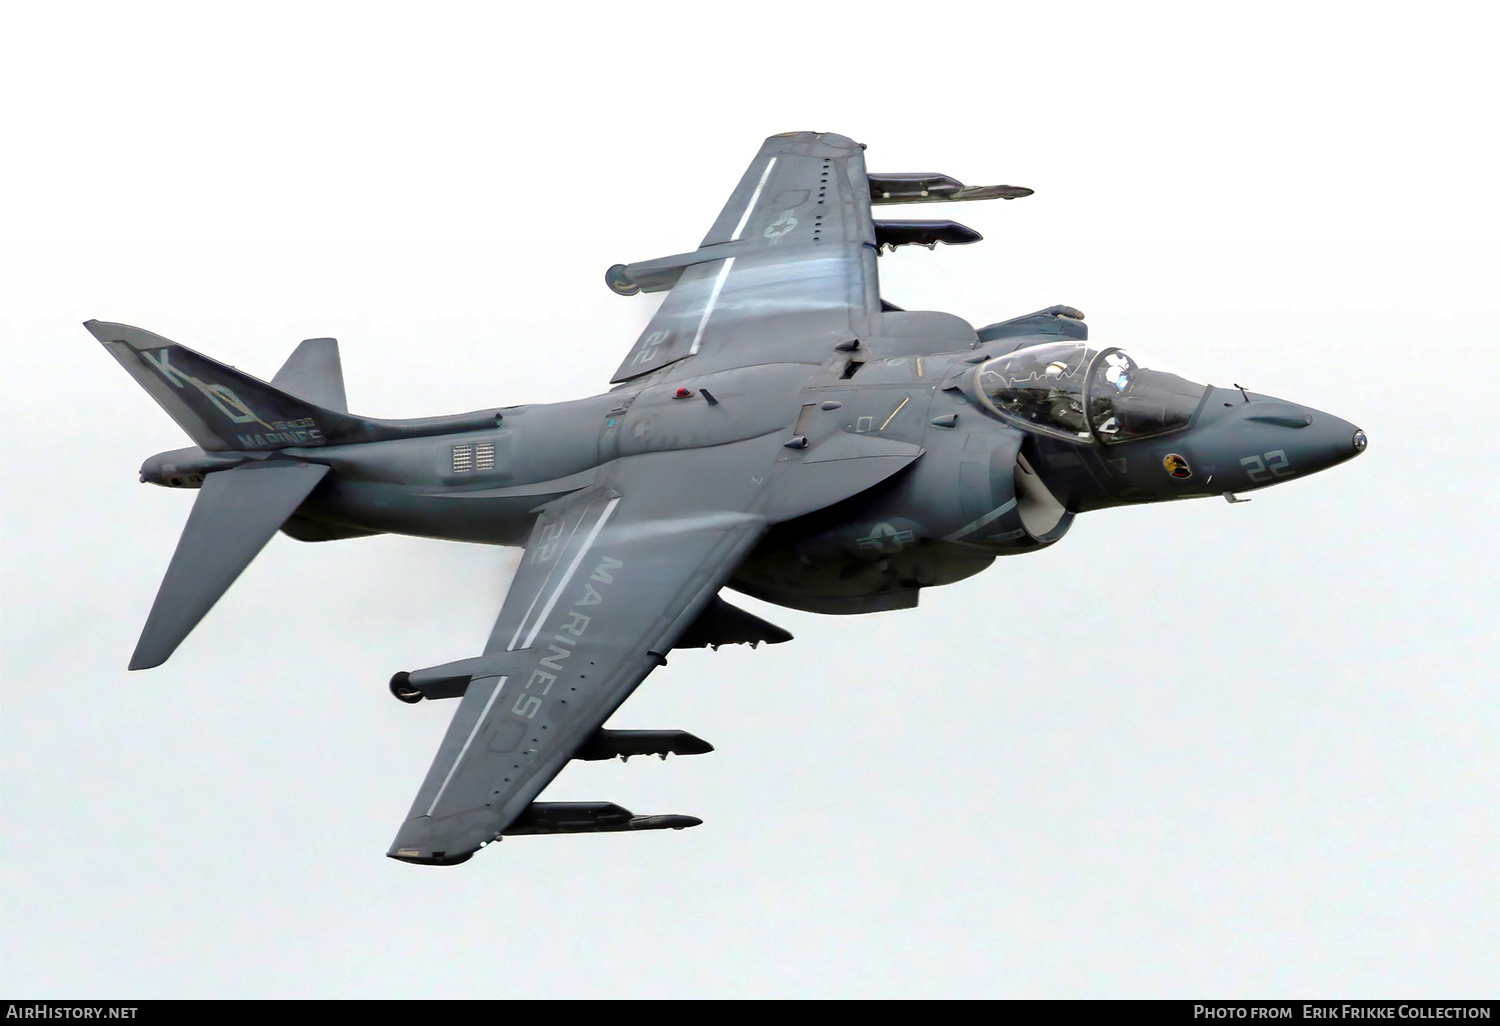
x: 1191, y: 750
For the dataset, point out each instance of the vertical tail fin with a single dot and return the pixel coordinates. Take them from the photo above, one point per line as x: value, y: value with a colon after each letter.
x: 222, y: 408
x: 226, y: 410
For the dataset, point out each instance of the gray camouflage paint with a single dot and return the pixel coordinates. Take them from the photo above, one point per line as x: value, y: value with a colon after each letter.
x: 776, y: 428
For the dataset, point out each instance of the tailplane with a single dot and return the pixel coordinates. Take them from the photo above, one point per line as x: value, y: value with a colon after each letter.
x: 236, y: 513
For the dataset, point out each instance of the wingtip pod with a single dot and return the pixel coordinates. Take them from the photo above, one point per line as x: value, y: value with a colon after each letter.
x: 620, y: 282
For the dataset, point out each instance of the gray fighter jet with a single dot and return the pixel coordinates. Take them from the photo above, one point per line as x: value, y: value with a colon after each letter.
x: 777, y: 428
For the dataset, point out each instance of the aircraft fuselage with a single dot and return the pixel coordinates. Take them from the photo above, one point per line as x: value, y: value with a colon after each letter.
x: 982, y: 488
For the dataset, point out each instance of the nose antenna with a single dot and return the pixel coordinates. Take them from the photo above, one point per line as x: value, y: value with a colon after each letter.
x: 1242, y: 391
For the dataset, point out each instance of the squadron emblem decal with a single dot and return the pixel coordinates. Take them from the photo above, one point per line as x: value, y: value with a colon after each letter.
x: 1177, y: 466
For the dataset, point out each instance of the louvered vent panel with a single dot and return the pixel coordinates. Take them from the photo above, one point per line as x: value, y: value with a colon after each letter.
x: 484, y: 456
x: 463, y: 458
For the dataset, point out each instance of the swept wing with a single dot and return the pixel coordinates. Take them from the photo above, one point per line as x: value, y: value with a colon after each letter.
x: 611, y: 578
x: 789, y: 263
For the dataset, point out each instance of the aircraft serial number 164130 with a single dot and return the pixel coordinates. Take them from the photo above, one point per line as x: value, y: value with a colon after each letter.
x: 777, y: 428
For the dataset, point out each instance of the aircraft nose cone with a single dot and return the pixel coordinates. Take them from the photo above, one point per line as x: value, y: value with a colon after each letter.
x: 1332, y: 440
x: 1260, y: 440
x: 1310, y: 439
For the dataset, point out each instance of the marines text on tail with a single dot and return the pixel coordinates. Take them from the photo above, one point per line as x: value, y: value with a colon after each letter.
x: 778, y: 428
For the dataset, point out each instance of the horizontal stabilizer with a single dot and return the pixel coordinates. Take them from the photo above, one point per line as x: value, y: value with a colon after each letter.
x: 923, y: 233
x: 589, y: 817
x: 314, y: 372
x: 928, y: 187
x: 663, y: 273
x: 610, y: 744
x: 235, y: 514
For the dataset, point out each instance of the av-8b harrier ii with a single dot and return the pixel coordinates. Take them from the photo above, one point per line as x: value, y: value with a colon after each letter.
x: 777, y: 428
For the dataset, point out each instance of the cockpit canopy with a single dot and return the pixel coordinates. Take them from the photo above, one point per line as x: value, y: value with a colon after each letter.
x: 1067, y: 390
